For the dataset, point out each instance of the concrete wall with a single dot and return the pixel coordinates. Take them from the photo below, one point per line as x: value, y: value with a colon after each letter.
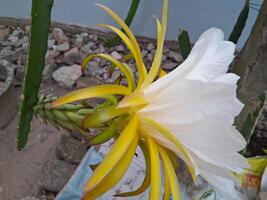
x: 193, y: 15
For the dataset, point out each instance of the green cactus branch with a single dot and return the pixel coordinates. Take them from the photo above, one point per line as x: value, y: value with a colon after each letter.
x: 240, y: 23
x: 128, y: 21
x: 41, y: 18
x: 184, y: 43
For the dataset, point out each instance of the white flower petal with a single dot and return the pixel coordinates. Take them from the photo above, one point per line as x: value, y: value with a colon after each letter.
x: 210, y: 43
x: 191, y: 101
x: 214, y: 63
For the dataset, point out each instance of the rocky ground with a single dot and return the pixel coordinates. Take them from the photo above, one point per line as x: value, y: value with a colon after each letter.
x: 42, y: 169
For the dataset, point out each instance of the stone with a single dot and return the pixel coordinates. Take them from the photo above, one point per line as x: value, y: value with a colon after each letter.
x: 144, y: 53
x: 84, y: 34
x: 50, y: 43
x: 22, y: 41
x: 51, y: 55
x: 30, y: 198
x: 94, y: 69
x: 150, y: 47
x: 86, y: 50
x: 78, y: 42
x: 72, y: 56
x: 55, y: 175
x: 106, y: 76
x: 70, y: 150
x: 116, y: 55
x: 22, y: 59
x: 67, y: 75
x: 19, y: 72
x: 4, y: 33
x: 93, y: 37
x: 101, y: 48
x: 120, y: 48
x: 16, y: 32
x: 63, y: 46
x: 174, y: 56
x: 59, y: 36
x: 6, y: 53
x: 166, y: 50
x: 48, y: 71
x: 84, y: 82
x: 13, y: 39
x: 163, y: 58
x: 49, y: 196
x: 27, y: 29
x: 169, y: 66
x: 150, y: 56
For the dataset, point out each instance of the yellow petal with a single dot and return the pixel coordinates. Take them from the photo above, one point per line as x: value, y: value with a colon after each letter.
x: 167, y: 191
x: 147, y: 179
x: 101, y: 116
x: 161, y: 73
x: 115, y: 174
x: 142, y: 72
x: 134, y: 101
x: 155, y: 188
x: 96, y: 91
x: 131, y: 37
x: 171, y: 174
x: 161, y: 35
x: 114, y: 155
x: 186, y: 156
x: 125, y: 70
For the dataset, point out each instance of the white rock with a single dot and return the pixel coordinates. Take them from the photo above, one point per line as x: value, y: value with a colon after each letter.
x: 13, y: 39
x: 67, y: 75
x: 150, y: 46
x: 116, y: 55
x: 78, y: 42
x: 63, y: 47
x: 84, y: 34
x: 50, y: 43
x: 120, y: 48
x: 59, y: 35
x: 93, y: 37
x: 27, y: 29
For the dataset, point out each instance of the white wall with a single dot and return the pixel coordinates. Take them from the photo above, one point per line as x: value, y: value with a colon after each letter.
x: 193, y: 15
